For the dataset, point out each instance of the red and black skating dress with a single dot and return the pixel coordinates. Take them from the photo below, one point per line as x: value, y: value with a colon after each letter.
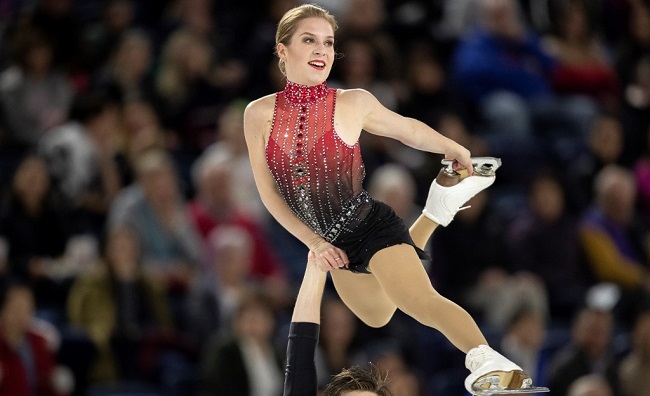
x: 320, y: 176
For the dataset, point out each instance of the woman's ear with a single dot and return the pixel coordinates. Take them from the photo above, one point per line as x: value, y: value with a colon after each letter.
x: 281, y: 50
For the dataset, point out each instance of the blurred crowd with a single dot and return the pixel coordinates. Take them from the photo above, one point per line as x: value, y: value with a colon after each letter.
x: 136, y: 256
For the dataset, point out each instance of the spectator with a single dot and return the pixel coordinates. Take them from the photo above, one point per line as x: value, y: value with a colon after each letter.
x: 584, y: 66
x: 230, y: 139
x: 154, y: 208
x: 217, y: 293
x: 142, y: 132
x: 55, y: 20
x: 588, y: 353
x: 215, y: 206
x: 102, y: 37
x: 27, y: 364
x: 615, y: 249
x: 449, y: 251
x: 337, y: 347
x: 544, y: 240
x: 119, y: 306
x: 503, y: 69
x: 523, y: 342
x: 126, y: 75
x: 81, y: 157
x: 634, y: 373
x: 604, y: 146
x: 246, y: 363
x: 35, y: 229
x: 34, y: 95
x: 590, y: 385
x: 185, y: 83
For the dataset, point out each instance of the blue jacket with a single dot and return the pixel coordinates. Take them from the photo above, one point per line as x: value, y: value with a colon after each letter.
x: 484, y: 64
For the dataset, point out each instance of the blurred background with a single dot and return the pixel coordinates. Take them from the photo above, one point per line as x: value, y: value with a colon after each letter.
x: 137, y: 259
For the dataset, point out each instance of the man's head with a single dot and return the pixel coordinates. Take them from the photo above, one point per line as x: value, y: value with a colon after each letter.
x: 357, y: 381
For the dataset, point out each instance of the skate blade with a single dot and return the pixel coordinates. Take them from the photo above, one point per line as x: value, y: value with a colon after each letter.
x: 483, y: 166
x: 510, y: 391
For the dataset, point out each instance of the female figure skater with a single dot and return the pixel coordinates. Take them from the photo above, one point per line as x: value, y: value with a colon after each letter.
x: 304, y: 149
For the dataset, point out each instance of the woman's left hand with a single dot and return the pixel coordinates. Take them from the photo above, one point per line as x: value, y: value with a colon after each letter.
x: 329, y: 257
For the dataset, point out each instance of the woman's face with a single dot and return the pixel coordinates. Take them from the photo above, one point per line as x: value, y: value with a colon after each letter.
x: 32, y: 179
x: 310, y: 54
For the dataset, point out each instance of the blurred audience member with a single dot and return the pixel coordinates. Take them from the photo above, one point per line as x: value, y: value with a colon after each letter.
x: 588, y: 353
x: 361, y: 68
x: 395, y: 186
x: 389, y: 360
x: 35, y: 229
x: 118, y: 305
x: 337, y: 348
x: 604, y: 146
x: 544, y: 241
x: 185, y: 83
x: 215, y: 206
x: 523, y: 342
x: 449, y: 251
x: 616, y: 250
x: 154, y: 208
x: 246, y: 363
x: 584, y: 66
x: 102, y: 37
x: 367, y: 20
x: 637, y: 40
x: 34, y: 95
x: 590, y: 385
x: 142, y: 132
x: 230, y: 139
x: 504, y: 70
x: 634, y: 373
x: 55, y: 19
x: 127, y: 74
x: 217, y: 293
x: 27, y: 364
x: 81, y: 157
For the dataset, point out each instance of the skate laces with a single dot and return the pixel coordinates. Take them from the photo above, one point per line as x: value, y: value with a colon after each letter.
x: 476, y: 356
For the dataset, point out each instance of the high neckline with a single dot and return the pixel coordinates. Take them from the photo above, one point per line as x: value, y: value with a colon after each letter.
x: 298, y: 93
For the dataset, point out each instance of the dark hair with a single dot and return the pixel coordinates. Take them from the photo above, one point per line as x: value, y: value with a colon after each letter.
x: 90, y: 105
x: 358, y: 379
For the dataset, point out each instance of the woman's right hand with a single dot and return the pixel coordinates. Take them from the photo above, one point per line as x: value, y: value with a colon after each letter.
x: 329, y: 257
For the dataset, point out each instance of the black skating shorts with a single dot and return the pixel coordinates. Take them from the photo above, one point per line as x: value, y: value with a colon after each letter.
x: 381, y: 228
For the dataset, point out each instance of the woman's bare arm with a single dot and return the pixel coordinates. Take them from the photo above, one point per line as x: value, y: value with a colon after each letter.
x: 378, y: 120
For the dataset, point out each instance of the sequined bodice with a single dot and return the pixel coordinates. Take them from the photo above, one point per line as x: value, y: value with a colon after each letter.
x: 319, y: 175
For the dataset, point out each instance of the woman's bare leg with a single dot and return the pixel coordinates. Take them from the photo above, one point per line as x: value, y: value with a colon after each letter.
x: 421, y: 231
x: 364, y: 296
x: 401, y: 275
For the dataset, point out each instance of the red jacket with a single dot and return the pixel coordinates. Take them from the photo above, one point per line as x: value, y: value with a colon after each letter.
x: 13, y: 376
x: 264, y: 263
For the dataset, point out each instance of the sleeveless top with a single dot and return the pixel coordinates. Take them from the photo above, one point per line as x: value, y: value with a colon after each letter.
x: 319, y: 176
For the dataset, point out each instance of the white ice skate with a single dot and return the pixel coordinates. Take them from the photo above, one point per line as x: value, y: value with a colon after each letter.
x: 448, y: 192
x: 493, y: 374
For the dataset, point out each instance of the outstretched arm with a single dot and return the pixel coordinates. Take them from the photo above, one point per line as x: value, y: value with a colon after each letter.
x: 379, y: 120
x: 300, y: 373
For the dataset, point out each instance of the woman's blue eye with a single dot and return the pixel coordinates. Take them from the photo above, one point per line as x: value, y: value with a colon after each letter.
x: 309, y: 40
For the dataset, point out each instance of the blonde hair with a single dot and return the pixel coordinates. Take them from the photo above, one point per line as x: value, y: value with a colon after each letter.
x: 289, y: 23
